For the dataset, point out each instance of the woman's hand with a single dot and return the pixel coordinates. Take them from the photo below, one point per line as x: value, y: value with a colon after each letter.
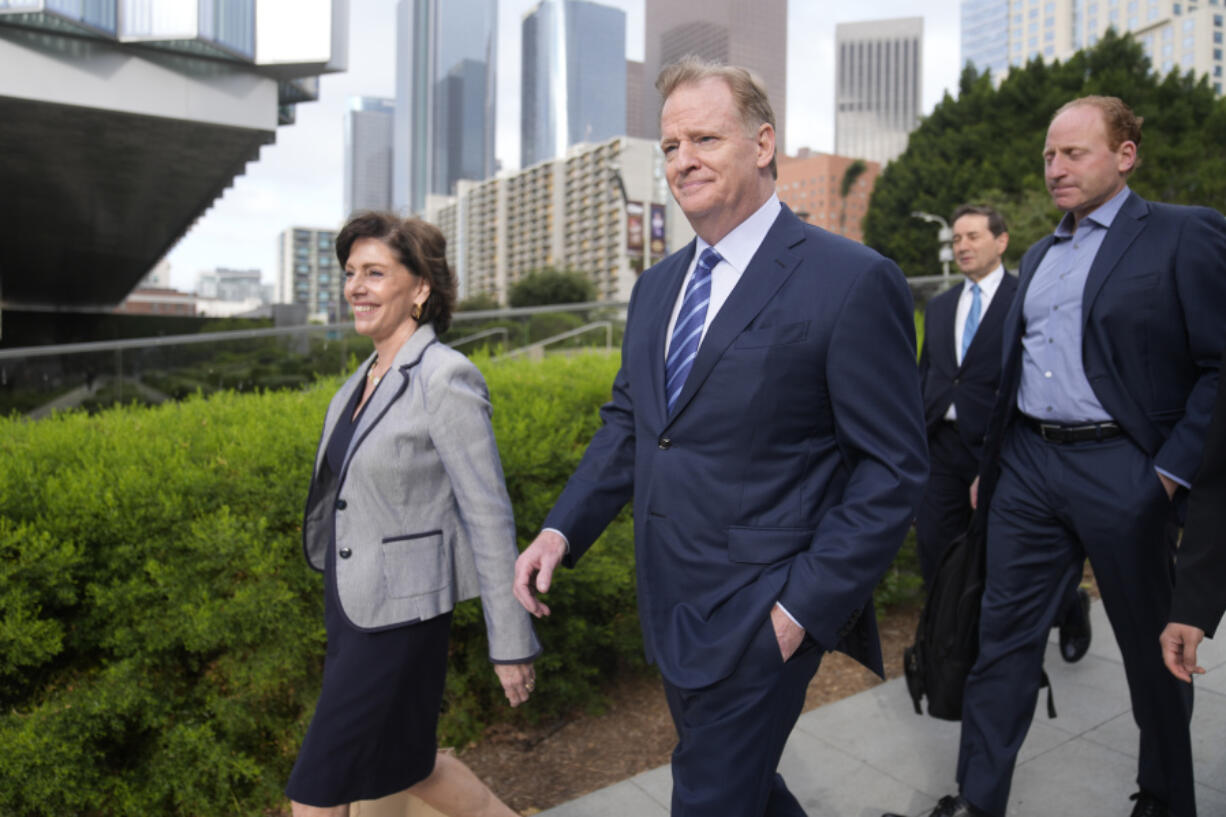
x: 518, y: 681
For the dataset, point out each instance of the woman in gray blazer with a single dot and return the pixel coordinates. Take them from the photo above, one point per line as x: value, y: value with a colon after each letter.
x: 407, y: 514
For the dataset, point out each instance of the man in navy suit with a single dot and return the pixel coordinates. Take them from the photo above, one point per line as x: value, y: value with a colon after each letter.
x: 1111, y: 363
x: 960, y: 362
x: 767, y: 423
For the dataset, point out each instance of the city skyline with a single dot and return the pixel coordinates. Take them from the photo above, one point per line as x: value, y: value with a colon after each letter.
x: 299, y: 180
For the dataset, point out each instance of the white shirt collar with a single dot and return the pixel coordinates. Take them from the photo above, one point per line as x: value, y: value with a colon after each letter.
x: 739, y: 246
x: 988, y: 284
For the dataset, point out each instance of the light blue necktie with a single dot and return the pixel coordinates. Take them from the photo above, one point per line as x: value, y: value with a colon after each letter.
x: 972, y: 319
x: 687, y: 332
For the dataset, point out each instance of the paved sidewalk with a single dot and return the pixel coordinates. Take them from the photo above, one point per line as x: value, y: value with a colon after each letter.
x: 871, y: 753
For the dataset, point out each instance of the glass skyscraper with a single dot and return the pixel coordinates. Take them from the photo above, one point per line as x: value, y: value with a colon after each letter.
x: 574, y: 77
x: 445, y: 86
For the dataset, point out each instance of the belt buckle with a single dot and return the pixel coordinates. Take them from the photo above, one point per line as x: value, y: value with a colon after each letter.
x: 1050, y: 432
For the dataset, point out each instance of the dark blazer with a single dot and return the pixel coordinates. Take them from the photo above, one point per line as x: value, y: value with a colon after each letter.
x: 1153, y: 330
x: 790, y: 468
x: 1200, y: 572
x: 971, y: 387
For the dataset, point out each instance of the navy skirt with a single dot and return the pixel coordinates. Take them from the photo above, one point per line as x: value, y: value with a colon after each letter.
x: 373, y: 732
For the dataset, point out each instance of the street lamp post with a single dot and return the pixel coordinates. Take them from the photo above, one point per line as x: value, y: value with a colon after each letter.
x: 945, y: 235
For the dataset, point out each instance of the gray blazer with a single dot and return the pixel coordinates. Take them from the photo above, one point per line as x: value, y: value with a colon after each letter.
x: 421, y: 510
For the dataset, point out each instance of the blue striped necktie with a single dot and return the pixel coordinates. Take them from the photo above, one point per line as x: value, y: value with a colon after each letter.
x: 687, y: 332
x: 972, y: 319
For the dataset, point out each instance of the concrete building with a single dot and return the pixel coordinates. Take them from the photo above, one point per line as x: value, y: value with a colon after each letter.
x: 878, y: 86
x: 751, y: 33
x: 158, y: 301
x: 567, y: 213
x: 573, y: 77
x: 811, y: 184
x: 233, y: 285
x: 443, y: 131
x: 1179, y: 35
x: 309, y: 274
x: 121, y: 121
x: 637, y: 90
x: 368, y: 154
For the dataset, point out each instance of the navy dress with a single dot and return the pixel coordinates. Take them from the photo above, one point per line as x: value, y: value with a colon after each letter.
x: 373, y: 732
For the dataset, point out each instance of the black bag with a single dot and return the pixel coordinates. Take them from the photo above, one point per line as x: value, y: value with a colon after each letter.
x: 947, y: 637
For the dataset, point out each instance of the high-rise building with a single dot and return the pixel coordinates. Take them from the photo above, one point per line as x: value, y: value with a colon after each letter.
x: 233, y: 285
x: 1183, y: 36
x: 811, y: 184
x: 636, y: 92
x: 309, y: 274
x: 573, y: 75
x: 750, y: 33
x: 878, y: 80
x: 368, y: 154
x: 445, y: 88
x: 602, y: 209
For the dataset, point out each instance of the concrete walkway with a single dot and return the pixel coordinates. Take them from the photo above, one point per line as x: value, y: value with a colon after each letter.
x: 871, y: 753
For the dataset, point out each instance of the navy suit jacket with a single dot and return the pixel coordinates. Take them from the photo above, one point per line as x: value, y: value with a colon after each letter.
x: 971, y: 387
x: 1153, y: 329
x: 790, y: 467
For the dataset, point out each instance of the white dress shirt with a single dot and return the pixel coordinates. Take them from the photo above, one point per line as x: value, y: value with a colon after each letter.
x: 987, y: 290
x: 736, y: 249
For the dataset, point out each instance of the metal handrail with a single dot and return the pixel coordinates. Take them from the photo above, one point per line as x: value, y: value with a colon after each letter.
x: 541, y: 344
x: 497, y: 330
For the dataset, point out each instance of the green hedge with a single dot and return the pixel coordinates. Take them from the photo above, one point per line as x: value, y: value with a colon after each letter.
x: 161, y: 637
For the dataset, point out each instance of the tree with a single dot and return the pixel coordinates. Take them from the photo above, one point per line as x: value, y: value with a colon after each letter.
x: 552, y: 286
x: 853, y: 172
x: 986, y: 147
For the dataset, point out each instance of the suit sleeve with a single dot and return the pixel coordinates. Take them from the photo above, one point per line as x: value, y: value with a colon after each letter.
x: 460, y: 429
x: 604, y: 481
x: 879, y: 427
x: 1200, y: 571
x: 1200, y: 276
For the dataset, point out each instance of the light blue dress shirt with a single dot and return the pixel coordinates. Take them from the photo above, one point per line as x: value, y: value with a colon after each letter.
x: 1054, y: 387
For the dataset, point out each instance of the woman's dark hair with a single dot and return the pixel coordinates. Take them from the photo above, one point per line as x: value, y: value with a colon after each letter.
x: 418, y: 245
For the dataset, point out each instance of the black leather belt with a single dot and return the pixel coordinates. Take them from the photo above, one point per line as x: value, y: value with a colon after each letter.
x: 1057, y: 433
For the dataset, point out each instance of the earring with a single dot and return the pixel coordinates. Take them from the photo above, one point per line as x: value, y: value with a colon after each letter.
x: 416, y: 312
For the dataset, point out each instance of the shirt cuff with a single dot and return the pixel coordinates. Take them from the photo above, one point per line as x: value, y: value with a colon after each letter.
x: 779, y: 604
x: 1172, y: 477
x: 559, y: 533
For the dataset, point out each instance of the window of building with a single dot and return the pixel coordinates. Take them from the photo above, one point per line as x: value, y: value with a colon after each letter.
x: 1217, y: 38
x: 1049, y: 36
x: 1217, y: 54
x: 1189, y: 24
x: 1093, y: 39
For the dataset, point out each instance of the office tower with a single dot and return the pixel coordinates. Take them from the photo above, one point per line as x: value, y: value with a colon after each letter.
x: 636, y: 91
x: 600, y: 210
x: 811, y: 184
x: 368, y: 154
x: 574, y: 77
x: 446, y: 57
x: 985, y: 35
x: 309, y: 274
x: 750, y: 33
x: 1183, y: 36
x: 878, y: 71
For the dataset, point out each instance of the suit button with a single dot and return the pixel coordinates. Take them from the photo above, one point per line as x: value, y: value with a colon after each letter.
x: 957, y: 381
x: 341, y: 504
x: 345, y: 553
x: 665, y: 443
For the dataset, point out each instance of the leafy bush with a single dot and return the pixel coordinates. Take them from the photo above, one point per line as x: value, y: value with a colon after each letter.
x: 161, y: 637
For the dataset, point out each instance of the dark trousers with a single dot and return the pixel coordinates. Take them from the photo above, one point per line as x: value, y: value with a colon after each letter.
x: 732, y: 733
x: 946, y: 509
x: 1054, y: 505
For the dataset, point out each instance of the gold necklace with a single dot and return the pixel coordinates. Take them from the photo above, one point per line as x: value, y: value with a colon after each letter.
x: 371, y: 377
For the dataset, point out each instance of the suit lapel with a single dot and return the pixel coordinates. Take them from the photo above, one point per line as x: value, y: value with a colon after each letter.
x: 390, y: 390
x: 945, y: 338
x: 338, y: 404
x: 1127, y: 225
x: 674, y: 277
x: 770, y: 267
x: 993, y: 318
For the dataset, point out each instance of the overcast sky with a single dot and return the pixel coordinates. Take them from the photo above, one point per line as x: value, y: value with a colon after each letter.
x: 297, y: 181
